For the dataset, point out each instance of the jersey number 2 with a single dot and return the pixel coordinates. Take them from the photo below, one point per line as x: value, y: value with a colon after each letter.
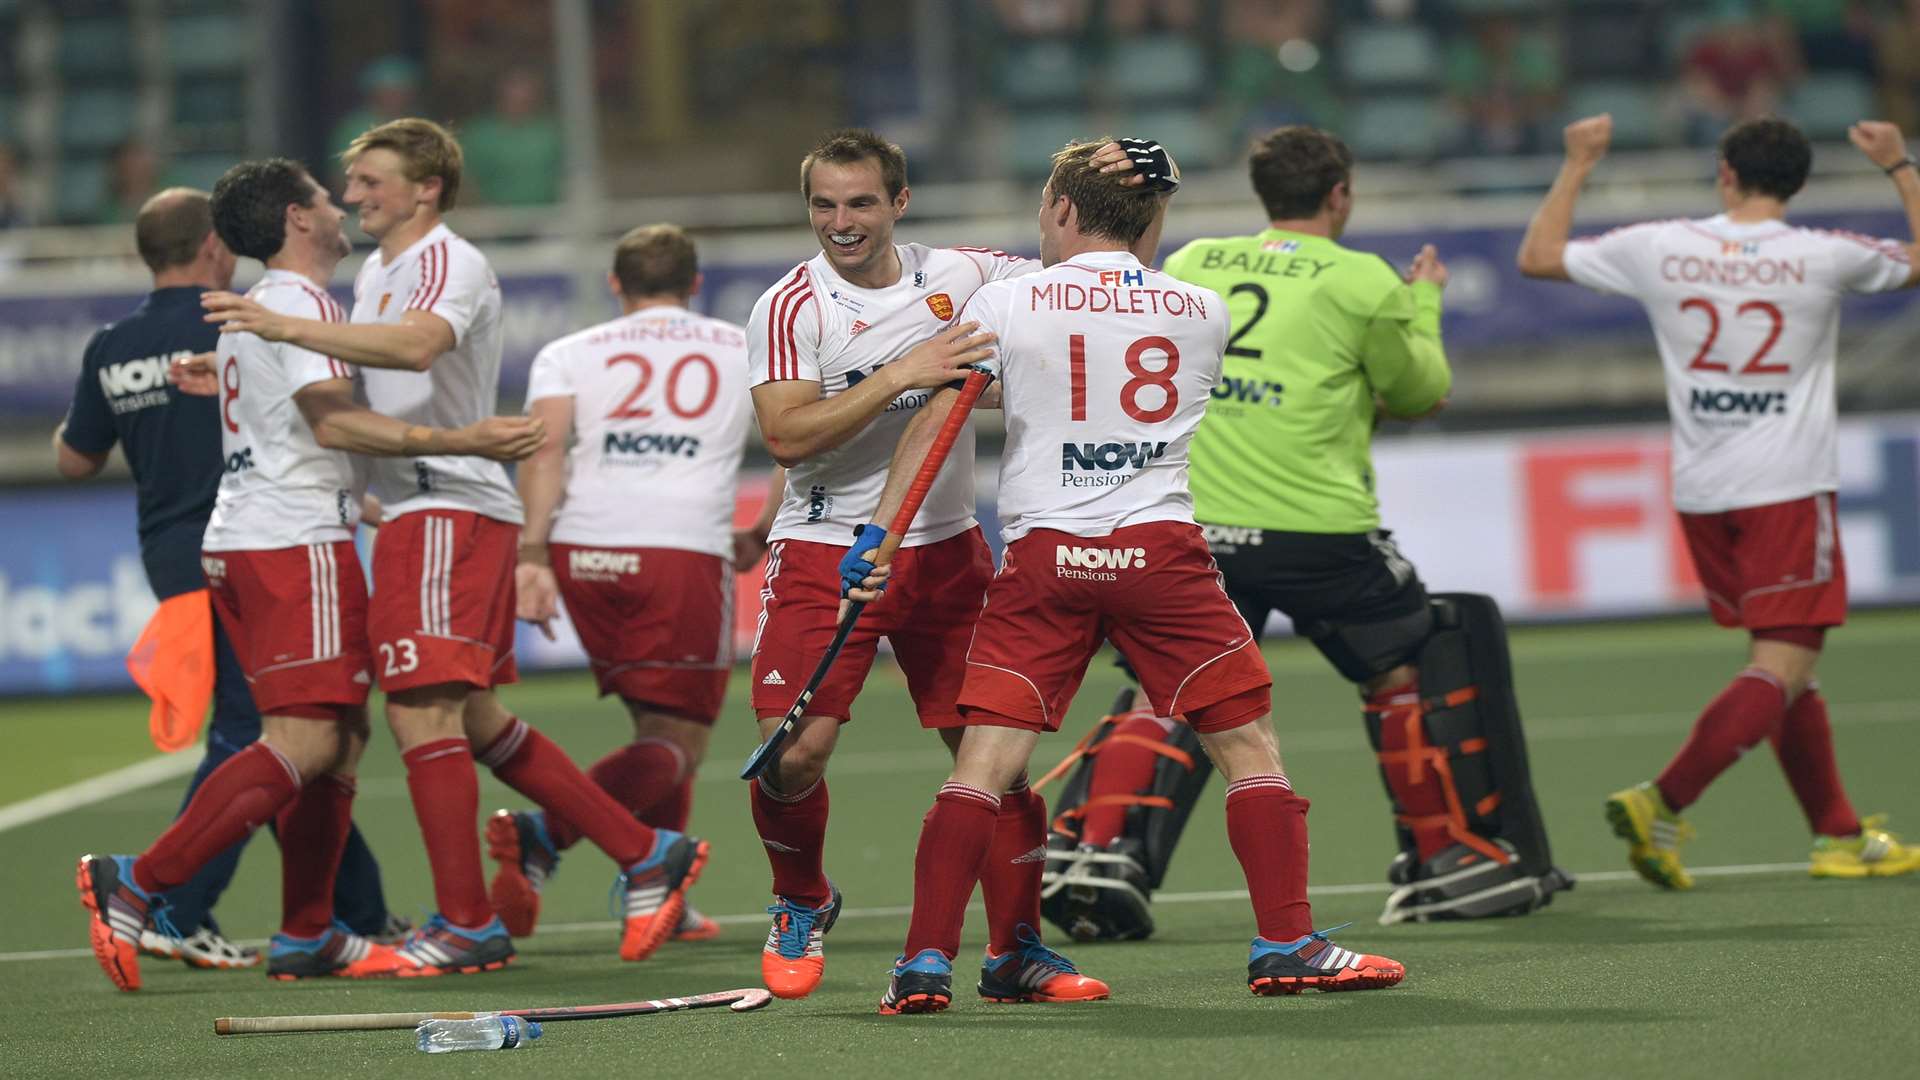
x: 1143, y: 376
x: 628, y: 410
x: 1755, y: 366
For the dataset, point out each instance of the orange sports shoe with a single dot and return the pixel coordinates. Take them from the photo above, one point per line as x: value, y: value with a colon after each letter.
x: 116, y: 913
x: 518, y: 843
x: 1033, y: 972
x: 656, y: 891
x: 337, y: 953
x: 794, y: 957
x: 1311, y: 962
x: 695, y: 927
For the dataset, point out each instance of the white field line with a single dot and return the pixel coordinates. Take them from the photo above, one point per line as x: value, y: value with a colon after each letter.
x: 100, y: 788
x: 607, y: 926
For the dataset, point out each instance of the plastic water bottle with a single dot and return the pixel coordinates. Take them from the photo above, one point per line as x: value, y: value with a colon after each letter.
x: 486, y: 1031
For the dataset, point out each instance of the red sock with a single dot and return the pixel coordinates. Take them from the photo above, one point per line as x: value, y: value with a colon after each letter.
x: 313, y: 832
x: 530, y: 763
x: 1267, y: 826
x: 1804, y: 745
x: 793, y: 829
x: 1751, y: 708
x: 1010, y: 878
x: 446, y: 800
x: 954, y: 840
x: 244, y: 793
x: 673, y: 810
x: 1122, y: 766
x: 637, y: 775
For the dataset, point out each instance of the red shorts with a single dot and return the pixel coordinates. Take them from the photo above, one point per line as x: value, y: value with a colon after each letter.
x: 297, y: 618
x: 1770, y: 567
x: 443, y: 600
x: 657, y: 623
x: 927, y: 612
x: 1150, y: 589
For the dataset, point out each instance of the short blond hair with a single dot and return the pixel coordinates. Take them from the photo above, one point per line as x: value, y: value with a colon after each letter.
x: 1108, y: 206
x: 656, y: 260
x: 426, y: 150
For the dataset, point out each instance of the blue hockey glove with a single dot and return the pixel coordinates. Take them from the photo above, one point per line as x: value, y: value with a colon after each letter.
x: 857, y: 563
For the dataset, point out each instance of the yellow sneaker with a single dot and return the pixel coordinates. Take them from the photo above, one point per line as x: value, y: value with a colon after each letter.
x: 1874, y: 853
x: 1653, y: 834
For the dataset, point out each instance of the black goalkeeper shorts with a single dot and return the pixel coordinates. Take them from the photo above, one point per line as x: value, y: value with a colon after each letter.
x: 1335, y: 587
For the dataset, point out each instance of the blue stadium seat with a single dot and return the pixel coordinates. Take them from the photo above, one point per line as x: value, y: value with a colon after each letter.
x: 97, y: 47
x: 1607, y: 44
x: 1195, y: 137
x: 1639, y: 116
x: 1041, y: 73
x: 1829, y: 102
x: 82, y: 185
x: 95, y: 119
x: 1396, y: 127
x: 199, y: 43
x: 1389, y: 54
x: 1032, y: 138
x: 1157, y: 68
x: 198, y: 170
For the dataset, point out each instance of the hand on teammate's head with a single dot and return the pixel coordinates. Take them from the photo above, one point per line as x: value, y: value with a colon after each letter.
x: 1116, y: 157
x: 1428, y: 267
x: 944, y: 357
x: 1880, y: 141
x: 1587, y: 140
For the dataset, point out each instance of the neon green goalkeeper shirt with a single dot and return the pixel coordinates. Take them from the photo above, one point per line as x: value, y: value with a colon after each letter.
x: 1319, y: 332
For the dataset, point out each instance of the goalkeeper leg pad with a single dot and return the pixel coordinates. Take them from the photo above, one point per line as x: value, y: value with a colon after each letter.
x: 1454, y: 760
x: 1104, y: 892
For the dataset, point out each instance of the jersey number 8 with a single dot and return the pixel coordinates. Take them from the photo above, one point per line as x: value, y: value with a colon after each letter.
x: 1143, y: 376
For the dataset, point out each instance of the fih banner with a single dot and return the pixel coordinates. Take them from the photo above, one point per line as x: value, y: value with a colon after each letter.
x: 1554, y: 524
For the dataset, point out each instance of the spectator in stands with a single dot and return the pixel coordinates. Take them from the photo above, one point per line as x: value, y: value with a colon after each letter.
x: 1504, y: 82
x: 514, y: 151
x: 13, y: 210
x: 1897, y: 62
x: 1274, y: 72
x: 389, y: 89
x: 1735, y: 71
x: 1127, y: 17
x: 1825, y: 35
x: 133, y: 175
x: 1042, y: 18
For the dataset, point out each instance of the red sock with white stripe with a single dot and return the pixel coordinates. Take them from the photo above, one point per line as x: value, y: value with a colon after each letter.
x: 1751, y: 708
x: 1123, y: 764
x: 954, y: 840
x: 313, y: 832
x: 793, y: 829
x: 638, y: 776
x: 1804, y: 745
x: 446, y: 800
x: 1010, y: 878
x: 244, y: 793
x: 531, y: 764
x: 1267, y: 826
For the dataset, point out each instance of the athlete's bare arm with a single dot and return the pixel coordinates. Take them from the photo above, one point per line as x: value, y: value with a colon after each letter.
x: 1543, y: 250
x: 542, y: 480
x: 412, y: 344
x: 341, y: 423
x: 73, y: 464
x: 750, y: 543
x: 1886, y: 147
x: 799, y: 424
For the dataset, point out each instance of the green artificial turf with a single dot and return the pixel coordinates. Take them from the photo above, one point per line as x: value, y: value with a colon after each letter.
x: 1758, y: 972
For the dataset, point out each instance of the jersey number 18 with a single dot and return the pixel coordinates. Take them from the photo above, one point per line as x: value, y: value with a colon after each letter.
x: 1130, y: 390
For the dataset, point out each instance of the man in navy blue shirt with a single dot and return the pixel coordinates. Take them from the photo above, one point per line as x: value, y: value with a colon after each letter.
x: 171, y: 442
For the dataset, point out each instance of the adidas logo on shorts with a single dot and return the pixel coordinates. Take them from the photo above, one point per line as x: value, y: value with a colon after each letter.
x: 773, y: 679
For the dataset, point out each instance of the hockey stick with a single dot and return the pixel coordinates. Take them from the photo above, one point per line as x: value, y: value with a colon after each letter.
x: 768, y: 751
x: 736, y: 1000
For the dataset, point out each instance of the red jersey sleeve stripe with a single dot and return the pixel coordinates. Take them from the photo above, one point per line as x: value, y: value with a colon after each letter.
x: 433, y: 269
x: 440, y: 289
x: 426, y: 266
x: 793, y: 315
x: 779, y: 343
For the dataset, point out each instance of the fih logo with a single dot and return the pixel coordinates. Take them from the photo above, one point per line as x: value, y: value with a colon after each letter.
x: 1744, y: 402
x: 1118, y: 278
x: 1110, y: 456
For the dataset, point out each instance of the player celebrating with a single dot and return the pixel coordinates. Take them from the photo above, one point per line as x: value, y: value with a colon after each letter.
x: 845, y: 348
x: 655, y: 406
x: 427, y: 327
x: 1746, y: 308
x: 1099, y: 553
x: 286, y: 584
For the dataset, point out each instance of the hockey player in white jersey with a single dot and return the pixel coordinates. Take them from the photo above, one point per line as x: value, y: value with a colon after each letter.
x: 1745, y: 310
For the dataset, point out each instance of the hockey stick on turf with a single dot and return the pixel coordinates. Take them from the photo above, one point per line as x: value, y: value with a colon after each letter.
x: 736, y: 1000
x: 768, y: 752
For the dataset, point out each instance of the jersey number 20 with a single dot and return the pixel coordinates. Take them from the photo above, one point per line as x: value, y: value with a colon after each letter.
x: 627, y: 410
x: 1143, y: 376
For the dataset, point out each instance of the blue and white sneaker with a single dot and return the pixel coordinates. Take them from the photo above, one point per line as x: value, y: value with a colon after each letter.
x: 921, y: 985
x: 794, y: 957
x: 1032, y: 972
x: 117, y: 912
x: 338, y: 952
x: 1312, y: 962
x: 441, y: 948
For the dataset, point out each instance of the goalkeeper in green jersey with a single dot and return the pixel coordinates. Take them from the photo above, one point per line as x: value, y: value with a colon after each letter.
x: 1325, y: 342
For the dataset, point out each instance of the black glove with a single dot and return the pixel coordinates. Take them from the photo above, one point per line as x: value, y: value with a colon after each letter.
x: 1151, y: 161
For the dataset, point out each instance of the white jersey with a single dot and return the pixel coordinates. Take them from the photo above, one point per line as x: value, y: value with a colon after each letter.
x: 661, y: 414
x: 814, y: 326
x: 447, y: 276
x: 1747, y: 317
x: 1106, y: 368
x: 281, y: 488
